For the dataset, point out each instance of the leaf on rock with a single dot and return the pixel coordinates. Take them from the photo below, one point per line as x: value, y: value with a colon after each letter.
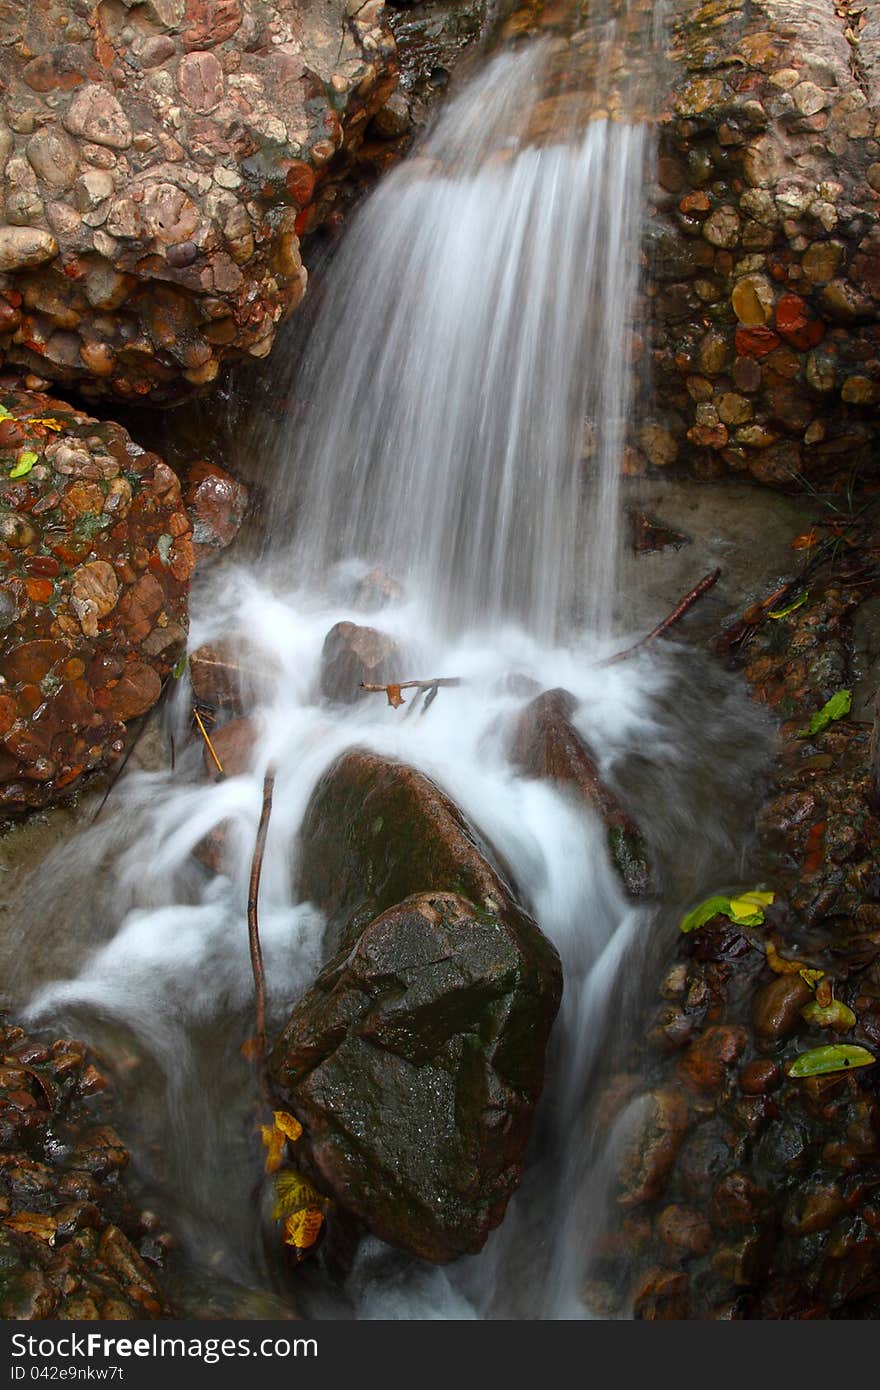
x: 288, y: 1124
x: 394, y: 696
x: 834, y: 1015
x: 781, y: 965
x: 25, y: 463
x: 837, y: 707
x: 806, y: 541
x: 746, y: 910
x: 179, y: 669
x: 292, y: 1193
x: 32, y: 1223
x: 48, y: 421
x: 303, y: 1228
x: 276, y: 1135
x: 792, y: 607
x: 820, y: 1061
x: 5, y: 414
x: 812, y: 977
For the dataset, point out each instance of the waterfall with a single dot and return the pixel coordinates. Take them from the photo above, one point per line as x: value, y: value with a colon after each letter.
x: 479, y: 312
x: 459, y: 421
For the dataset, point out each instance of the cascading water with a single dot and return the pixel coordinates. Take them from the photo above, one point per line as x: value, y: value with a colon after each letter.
x: 480, y: 310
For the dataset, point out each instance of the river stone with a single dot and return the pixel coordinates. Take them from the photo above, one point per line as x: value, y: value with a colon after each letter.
x: 546, y: 744
x: 352, y: 655
x: 414, y: 1063
x: 376, y: 831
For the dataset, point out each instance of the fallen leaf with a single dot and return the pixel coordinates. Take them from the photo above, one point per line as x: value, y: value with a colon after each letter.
x: 837, y: 707
x: 276, y: 1135
x: 821, y: 1061
x: 292, y: 1193
x: 48, y: 420
x: 32, y: 1223
x: 792, y: 607
x: 814, y: 849
x: 834, y: 1015
x: 824, y: 993
x: 805, y: 542
x: 303, y: 1228
x: 746, y: 910
x: 394, y: 696
x: 4, y: 413
x: 812, y: 977
x: 250, y: 1049
x: 288, y: 1124
x: 25, y: 463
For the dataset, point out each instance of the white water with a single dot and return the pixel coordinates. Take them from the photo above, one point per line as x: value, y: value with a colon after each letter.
x: 480, y: 309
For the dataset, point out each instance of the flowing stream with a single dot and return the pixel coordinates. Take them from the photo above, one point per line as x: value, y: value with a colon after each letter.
x: 480, y: 310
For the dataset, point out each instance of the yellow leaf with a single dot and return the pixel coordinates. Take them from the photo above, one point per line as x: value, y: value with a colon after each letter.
x: 748, y: 903
x: 288, y: 1124
x: 31, y: 1223
x: 835, y: 1015
x: 292, y: 1193
x: 303, y: 1228
x: 48, y: 420
x: 782, y: 966
x: 274, y: 1141
x: 812, y: 977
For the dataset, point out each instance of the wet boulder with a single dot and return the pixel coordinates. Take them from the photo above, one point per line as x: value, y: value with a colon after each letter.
x: 216, y: 503
x: 376, y: 831
x: 96, y: 552
x: 354, y: 654
x: 546, y: 744
x: 415, y: 1062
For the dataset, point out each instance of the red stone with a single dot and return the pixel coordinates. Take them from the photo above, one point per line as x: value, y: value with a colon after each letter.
x: 755, y: 342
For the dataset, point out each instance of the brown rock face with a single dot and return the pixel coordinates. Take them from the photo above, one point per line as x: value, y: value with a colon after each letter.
x: 216, y: 503
x: 415, y: 1062
x: 71, y: 1246
x: 765, y: 302
x: 160, y: 165
x: 546, y: 744
x: 96, y: 554
x: 353, y: 654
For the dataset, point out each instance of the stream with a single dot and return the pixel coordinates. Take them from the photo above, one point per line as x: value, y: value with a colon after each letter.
x: 482, y: 306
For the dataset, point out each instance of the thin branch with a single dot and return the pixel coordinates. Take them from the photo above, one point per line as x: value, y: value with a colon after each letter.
x: 254, y: 932
x: 414, y: 685
x: 205, y: 735
x: 683, y: 606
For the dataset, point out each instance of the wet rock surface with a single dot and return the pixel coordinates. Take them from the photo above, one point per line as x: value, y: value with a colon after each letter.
x: 777, y: 1173
x: 545, y: 743
x: 71, y: 1244
x: 160, y: 166
x: 354, y: 655
x: 415, y: 1062
x: 96, y: 551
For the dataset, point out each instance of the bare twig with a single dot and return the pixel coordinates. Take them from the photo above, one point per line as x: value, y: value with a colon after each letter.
x: 254, y: 932
x: 205, y: 735
x: 392, y: 691
x: 683, y: 606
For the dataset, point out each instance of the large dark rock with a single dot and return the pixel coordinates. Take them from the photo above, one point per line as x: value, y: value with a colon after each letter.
x: 376, y: 831
x: 546, y: 744
x: 415, y: 1062
x: 354, y: 654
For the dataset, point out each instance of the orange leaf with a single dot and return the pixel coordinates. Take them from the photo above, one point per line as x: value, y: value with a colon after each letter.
x: 250, y: 1049
x: 394, y: 696
x: 303, y: 1228
x: 823, y: 994
x: 805, y: 541
x: 31, y: 1223
x: 274, y: 1141
x: 814, y: 850
x: 288, y: 1124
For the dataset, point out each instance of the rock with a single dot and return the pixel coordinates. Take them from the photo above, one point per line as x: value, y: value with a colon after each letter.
x: 159, y: 147
x: 353, y: 654
x: 377, y: 831
x: 777, y: 1007
x: 97, y: 558
x: 63, y: 1255
x: 234, y: 745
x: 685, y: 1229
x: 546, y: 744
x: 221, y: 673
x: 216, y: 503
x: 414, y: 1064
x: 707, y: 1060
x: 650, y: 1132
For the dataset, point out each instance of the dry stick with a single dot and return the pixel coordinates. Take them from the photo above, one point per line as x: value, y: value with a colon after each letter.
x: 211, y: 749
x: 254, y: 932
x: 678, y: 612
x: 414, y: 685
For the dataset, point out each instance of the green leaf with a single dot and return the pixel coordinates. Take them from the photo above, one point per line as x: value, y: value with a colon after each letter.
x: 25, y: 463
x: 820, y: 1061
x: 790, y: 607
x: 834, y: 1015
x: 4, y: 413
x: 837, y: 707
x: 179, y: 669
x: 746, y: 910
